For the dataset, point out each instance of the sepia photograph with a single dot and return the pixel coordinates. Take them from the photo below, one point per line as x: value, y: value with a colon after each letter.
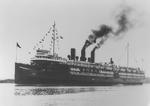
x: 74, y: 53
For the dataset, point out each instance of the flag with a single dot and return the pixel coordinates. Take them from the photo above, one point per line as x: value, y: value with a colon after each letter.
x: 18, y: 45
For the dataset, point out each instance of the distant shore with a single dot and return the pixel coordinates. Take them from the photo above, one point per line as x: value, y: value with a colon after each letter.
x: 7, y: 81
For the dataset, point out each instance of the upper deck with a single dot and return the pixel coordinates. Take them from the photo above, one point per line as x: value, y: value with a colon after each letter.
x: 104, y: 66
x: 46, y: 56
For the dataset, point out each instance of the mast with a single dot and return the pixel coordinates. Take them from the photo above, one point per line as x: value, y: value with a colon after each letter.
x: 127, y: 54
x: 54, y: 37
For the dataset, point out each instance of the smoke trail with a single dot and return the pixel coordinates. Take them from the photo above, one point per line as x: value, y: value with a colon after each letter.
x: 104, y: 30
x: 101, y: 42
x: 124, y: 24
x: 103, y: 33
x: 123, y: 20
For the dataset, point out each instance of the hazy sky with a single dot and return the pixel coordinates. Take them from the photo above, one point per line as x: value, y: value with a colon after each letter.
x: 27, y: 21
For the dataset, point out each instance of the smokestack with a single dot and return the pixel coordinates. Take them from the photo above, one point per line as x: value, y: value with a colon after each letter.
x: 93, y: 55
x: 83, y: 57
x: 73, y: 53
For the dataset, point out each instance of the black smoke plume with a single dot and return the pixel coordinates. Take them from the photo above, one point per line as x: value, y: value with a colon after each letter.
x: 124, y: 24
x: 102, y: 31
x: 100, y: 36
x: 123, y: 20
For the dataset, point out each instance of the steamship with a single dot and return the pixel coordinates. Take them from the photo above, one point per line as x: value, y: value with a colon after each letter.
x: 48, y: 68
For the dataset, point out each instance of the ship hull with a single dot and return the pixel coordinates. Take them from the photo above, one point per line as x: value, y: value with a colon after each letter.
x: 26, y: 74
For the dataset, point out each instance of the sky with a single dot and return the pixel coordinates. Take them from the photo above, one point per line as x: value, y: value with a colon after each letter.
x: 27, y: 21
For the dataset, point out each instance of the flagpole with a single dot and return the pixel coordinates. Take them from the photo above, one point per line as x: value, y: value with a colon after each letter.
x: 16, y: 52
x: 17, y: 45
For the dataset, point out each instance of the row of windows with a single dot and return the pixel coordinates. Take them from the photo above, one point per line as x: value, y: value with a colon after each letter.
x: 80, y: 64
x: 91, y: 74
x: 92, y: 66
x: 104, y: 75
x: 132, y: 71
x: 103, y: 67
x: 104, y: 72
x: 55, y: 58
x: 129, y: 74
x: 43, y: 57
x: 90, y: 70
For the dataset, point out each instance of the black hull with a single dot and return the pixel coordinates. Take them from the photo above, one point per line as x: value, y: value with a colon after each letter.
x: 60, y: 76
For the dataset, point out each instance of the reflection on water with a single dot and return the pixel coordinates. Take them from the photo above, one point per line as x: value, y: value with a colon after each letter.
x: 119, y: 95
x: 51, y: 90
x: 55, y: 90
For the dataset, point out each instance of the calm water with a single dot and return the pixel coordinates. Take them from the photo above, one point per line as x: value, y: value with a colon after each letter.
x: 11, y: 95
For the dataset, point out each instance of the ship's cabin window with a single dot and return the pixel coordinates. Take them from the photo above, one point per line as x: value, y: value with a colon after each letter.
x: 91, y: 66
x: 91, y: 70
x: 83, y: 69
x: 100, y: 71
x: 94, y: 70
x: 87, y: 70
x: 84, y: 65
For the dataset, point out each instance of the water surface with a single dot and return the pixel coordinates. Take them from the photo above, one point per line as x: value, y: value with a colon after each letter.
x: 11, y: 95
